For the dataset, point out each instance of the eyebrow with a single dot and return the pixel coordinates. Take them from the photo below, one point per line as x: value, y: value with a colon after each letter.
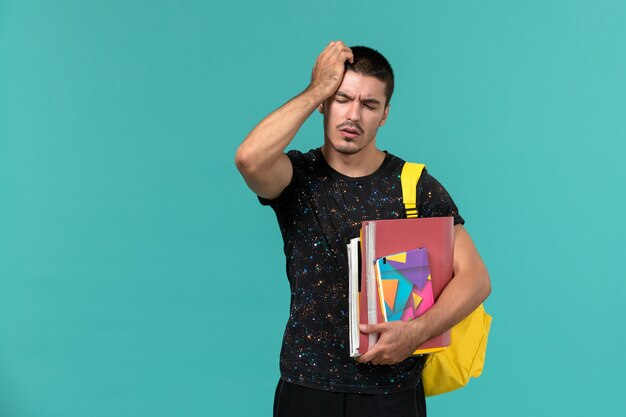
x: 367, y: 100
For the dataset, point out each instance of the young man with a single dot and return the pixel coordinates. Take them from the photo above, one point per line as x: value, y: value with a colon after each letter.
x: 320, y: 199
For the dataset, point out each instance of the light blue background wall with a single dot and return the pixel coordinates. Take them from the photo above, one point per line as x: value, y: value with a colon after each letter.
x: 138, y: 275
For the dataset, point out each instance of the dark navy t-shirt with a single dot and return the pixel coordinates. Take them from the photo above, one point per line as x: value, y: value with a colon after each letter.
x: 318, y: 213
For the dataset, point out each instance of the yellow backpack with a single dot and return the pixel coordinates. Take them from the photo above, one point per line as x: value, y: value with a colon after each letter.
x: 451, y: 368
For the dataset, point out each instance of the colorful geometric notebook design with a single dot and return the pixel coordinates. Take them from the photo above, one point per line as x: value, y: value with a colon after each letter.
x: 405, y: 284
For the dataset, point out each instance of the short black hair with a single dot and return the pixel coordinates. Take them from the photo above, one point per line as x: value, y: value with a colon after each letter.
x: 368, y: 61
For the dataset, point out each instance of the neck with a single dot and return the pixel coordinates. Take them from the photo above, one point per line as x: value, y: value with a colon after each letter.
x: 360, y: 164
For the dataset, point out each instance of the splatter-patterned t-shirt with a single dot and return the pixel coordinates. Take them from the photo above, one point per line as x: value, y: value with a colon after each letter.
x: 318, y: 213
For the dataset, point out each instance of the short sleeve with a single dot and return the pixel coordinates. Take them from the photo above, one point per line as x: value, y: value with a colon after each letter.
x: 287, y: 194
x: 434, y: 200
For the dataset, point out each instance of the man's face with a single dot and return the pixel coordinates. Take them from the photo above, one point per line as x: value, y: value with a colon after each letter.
x: 354, y: 113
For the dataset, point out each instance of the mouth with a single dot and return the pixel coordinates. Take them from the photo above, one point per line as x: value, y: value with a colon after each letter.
x: 350, y: 130
x: 349, y: 133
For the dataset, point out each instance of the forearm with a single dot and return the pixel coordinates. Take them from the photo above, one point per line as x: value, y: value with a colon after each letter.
x: 263, y: 148
x: 463, y: 294
x: 261, y: 158
x: 266, y: 143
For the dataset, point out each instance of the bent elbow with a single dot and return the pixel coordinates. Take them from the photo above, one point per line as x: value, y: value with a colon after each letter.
x: 486, y: 285
x: 244, y: 161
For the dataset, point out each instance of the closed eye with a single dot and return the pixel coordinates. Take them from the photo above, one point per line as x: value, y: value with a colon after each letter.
x: 371, y: 103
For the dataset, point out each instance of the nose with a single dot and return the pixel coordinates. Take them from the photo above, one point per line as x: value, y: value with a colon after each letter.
x: 354, y: 111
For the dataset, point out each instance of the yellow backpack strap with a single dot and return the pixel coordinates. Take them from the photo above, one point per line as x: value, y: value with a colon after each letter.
x: 409, y: 177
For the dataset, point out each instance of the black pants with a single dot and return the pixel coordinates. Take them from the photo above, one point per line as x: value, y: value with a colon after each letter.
x: 293, y: 400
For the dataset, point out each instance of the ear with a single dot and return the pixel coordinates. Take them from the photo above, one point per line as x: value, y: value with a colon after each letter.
x: 385, y: 114
x: 320, y: 108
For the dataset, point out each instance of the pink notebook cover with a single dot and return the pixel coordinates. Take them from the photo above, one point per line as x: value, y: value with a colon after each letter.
x: 401, y: 235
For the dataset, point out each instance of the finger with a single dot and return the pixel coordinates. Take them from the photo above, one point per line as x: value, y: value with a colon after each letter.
x: 346, y: 55
x: 376, y: 358
x: 342, y: 46
x: 338, y: 47
x: 328, y: 51
x: 371, y: 355
x: 343, y: 51
x: 372, y: 328
x: 379, y: 360
x: 367, y: 356
x: 335, y: 51
x: 330, y: 46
